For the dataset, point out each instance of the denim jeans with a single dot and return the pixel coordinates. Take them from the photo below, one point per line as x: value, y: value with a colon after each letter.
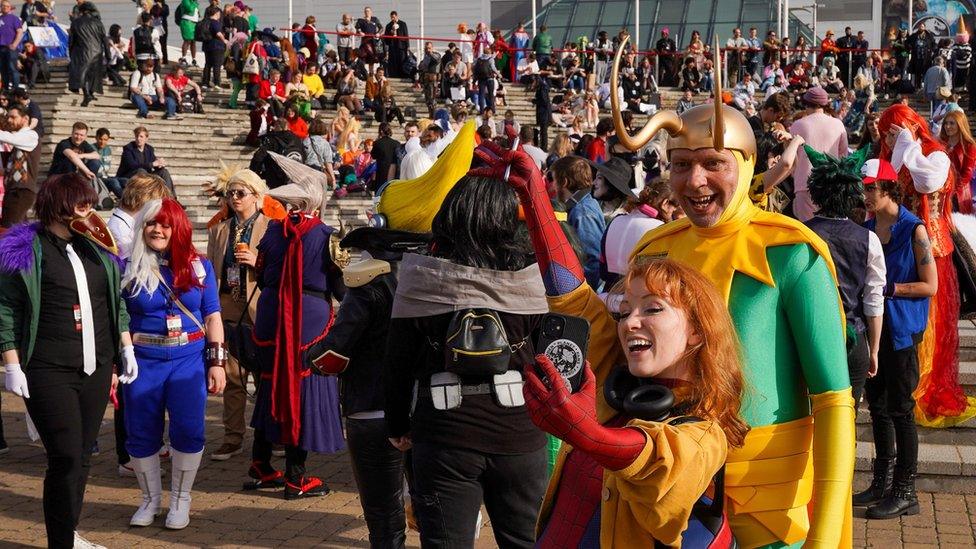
x: 451, y: 484
x: 486, y: 94
x: 8, y: 67
x: 144, y: 103
x: 116, y: 185
x: 170, y: 106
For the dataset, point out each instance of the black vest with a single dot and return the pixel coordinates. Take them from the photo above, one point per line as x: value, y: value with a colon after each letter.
x: 848, y: 243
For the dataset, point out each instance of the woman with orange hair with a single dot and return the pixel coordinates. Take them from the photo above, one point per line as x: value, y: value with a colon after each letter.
x: 649, y: 459
x: 928, y: 182
x: 959, y: 142
x: 638, y: 462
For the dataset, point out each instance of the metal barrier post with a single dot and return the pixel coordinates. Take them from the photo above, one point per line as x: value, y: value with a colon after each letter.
x: 850, y: 67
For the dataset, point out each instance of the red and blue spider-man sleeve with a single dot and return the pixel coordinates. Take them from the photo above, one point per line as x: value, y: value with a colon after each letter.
x: 560, y: 267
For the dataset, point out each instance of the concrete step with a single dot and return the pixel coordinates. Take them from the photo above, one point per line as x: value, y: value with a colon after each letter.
x: 943, y: 468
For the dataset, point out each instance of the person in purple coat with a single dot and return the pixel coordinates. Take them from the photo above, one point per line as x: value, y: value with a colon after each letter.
x: 298, y: 279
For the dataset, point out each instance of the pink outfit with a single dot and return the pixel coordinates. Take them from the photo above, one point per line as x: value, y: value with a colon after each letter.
x: 823, y: 133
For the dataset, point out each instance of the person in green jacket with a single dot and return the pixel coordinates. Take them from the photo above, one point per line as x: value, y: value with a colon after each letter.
x: 542, y: 44
x: 63, y: 326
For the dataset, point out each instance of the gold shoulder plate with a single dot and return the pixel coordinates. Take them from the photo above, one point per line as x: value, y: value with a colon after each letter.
x: 363, y: 272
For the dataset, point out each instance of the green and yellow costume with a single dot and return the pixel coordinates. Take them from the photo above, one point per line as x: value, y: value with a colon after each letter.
x: 790, y: 484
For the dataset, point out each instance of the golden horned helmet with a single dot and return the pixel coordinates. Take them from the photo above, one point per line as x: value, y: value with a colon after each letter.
x: 716, y: 125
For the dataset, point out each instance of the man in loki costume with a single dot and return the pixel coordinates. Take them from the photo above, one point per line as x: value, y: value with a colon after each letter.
x: 790, y: 484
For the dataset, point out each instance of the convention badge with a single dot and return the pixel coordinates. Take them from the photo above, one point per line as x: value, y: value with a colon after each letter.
x: 233, y: 276
x: 76, y: 311
x: 174, y: 325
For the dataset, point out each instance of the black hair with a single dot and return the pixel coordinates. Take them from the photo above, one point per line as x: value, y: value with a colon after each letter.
x: 604, y: 126
x: 837, y: 192
x: 766, y: 145
x: 115, y: 32
x: 385, y: 130
x: 102, y: 131
x: 478, y: 226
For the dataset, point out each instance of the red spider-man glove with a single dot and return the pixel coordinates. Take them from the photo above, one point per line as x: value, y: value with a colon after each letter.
x: 560, y: 267
x: 572, y: 417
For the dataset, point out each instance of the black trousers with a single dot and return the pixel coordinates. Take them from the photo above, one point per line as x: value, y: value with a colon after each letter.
x: 378, y: 468
x: 858, y: 364
x: 67, y: 408
x: 295, y: 457
x: 892, y: 405
x: 120, y: 433
x: 213, y: 63
x: 451, y: 483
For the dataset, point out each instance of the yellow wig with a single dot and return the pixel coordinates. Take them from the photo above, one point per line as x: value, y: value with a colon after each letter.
x: 410, y: 205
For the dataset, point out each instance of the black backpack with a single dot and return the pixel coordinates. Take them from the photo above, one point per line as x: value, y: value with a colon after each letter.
x: 483, y: 68
x: 476, y: 344
x: 142, y: 40
x: 284, y: 143
x: 178, y: 14
x: 202, y: 32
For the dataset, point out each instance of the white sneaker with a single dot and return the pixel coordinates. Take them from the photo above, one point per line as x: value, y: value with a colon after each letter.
x: 126, y: 470
x: 82, y: 543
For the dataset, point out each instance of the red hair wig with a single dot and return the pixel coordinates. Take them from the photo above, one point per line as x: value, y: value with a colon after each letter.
x: 906, y: 117
x: 181, y: 249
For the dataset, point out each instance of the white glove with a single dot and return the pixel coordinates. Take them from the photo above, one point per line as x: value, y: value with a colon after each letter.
x: 15, y: 380
x: 130, y: 368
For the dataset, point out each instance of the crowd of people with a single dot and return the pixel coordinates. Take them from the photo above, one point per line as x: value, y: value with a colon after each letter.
x: 745, y: 290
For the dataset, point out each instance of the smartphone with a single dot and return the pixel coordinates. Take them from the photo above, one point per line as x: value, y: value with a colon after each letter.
x: 564, y: 339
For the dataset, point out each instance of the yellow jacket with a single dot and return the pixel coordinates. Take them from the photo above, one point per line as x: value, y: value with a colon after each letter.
x: 314, y: 84
x: 652, y: 498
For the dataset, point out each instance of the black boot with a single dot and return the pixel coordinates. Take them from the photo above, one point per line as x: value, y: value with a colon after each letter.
x: 902, y: 501
x: 86, y: 100
x: 297, y: 483
x: 884, y: 472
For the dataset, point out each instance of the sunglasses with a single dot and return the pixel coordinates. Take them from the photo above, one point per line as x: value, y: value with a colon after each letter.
x: 238, y: 194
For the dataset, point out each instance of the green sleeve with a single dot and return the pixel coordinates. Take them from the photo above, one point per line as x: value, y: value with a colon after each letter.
x: 12, y: 298
x: 123, y: 316
x: 812, y: 307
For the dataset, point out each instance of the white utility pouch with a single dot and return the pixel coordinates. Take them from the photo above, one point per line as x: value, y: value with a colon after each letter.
x: 445, y: 390
x: 507, y: 389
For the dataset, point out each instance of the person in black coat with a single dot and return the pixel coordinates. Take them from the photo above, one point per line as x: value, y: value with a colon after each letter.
x: 921, y: 46
x: 351, y: 351
x: 396, y: 48
x: 138, y: 156
x: 86, y: 48
x: 543, y: 108
x: 666, y: 49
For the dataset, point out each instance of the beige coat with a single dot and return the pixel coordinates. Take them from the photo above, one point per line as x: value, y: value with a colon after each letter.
x: 217, y: 237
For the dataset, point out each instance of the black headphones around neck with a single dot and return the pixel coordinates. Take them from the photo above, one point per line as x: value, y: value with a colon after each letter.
x: 639, y: 398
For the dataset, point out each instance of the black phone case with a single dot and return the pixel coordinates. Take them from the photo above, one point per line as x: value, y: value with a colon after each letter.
x: 567, y: 353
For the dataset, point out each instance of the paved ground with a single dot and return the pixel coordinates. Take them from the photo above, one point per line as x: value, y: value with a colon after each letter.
x: 223, y: 516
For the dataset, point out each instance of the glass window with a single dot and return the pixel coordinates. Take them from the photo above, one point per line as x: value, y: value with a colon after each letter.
x: 615, y: 16
x: 558, y: 15
x: 727, y: 11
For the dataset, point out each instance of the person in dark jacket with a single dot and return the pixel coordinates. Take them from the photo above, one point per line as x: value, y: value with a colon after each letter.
x: 138, y: 155
x: 350, y: 351
x: 63, y: 325
x: 482, y: 447
x: 86, y: 48
x: 396, y: 47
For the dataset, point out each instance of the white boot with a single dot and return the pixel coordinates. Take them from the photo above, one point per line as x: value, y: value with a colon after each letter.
x: 184, y: 472
x: 147, y: 473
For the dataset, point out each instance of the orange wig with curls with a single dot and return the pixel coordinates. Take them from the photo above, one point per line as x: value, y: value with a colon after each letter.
x: 716, y: 372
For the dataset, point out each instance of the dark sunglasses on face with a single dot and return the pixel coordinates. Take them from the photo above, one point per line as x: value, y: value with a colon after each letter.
x: 238, y: 194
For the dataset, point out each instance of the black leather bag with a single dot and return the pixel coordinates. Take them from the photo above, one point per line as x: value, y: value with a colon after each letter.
x: 240, y: 340
x: 476, y: 344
